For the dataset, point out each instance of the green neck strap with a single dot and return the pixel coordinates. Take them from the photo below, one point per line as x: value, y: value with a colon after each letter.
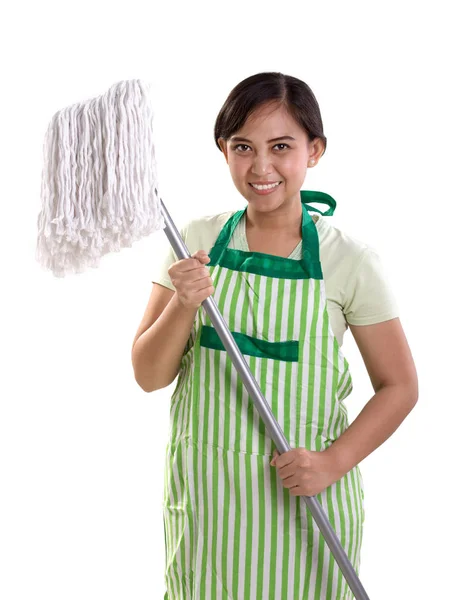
x: 306, y: 196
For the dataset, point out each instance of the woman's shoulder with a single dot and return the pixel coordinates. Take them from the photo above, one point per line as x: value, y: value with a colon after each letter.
x: 202, y: 232
x: 355, y: 276
x: 343, y: 255
x: 212, y: 220
x: 337, y: 245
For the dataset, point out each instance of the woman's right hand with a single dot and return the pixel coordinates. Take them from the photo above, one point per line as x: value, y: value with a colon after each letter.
x: 191, y: 279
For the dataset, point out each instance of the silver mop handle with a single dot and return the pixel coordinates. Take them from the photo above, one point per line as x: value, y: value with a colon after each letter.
x: 266, y: 414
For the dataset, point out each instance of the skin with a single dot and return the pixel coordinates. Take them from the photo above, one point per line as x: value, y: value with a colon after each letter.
x: 306, y: 472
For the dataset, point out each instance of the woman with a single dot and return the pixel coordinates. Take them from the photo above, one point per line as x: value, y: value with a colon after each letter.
x: 288, y: 285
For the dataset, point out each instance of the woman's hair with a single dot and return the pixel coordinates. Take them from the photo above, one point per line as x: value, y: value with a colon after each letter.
x: 248, y: 95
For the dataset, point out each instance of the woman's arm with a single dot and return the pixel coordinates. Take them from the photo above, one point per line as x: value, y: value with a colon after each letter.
x: 161, y: 339
x: 391, y: 369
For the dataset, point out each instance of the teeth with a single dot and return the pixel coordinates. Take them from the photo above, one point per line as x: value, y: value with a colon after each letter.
x: 265, y: 187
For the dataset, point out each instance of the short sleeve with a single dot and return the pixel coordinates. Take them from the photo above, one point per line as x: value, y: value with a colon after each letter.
x: 161, y: 274
x: 369, y: 298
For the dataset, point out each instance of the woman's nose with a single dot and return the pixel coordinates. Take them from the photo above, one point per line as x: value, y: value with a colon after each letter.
x: 261, y: 164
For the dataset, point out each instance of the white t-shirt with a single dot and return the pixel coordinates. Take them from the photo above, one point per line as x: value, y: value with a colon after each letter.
x: 357, y: 289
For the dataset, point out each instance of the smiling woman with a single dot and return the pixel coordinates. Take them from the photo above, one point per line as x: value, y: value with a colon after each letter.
x: 288, y: 285
x: 257, y: 155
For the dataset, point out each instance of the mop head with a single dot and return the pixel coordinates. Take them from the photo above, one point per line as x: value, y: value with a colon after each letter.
x: 99, y: 180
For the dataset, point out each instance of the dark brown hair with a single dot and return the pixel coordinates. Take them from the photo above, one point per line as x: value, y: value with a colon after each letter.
x: 248, y: 95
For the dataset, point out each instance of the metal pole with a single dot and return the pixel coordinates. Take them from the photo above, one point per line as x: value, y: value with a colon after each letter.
x: 266, y: 414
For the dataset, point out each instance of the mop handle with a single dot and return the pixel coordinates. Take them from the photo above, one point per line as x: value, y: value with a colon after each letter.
x: 266, y: 414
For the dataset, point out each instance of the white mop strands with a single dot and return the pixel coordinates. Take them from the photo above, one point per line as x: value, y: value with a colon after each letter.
x: 99, y: 179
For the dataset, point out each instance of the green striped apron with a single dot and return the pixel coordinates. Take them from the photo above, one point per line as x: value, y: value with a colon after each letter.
x: 232, y: 531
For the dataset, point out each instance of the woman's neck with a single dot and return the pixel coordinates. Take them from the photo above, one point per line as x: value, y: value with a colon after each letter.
x: 284, y: 220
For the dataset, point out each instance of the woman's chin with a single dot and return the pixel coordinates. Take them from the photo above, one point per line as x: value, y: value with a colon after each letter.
x: 264, y: 203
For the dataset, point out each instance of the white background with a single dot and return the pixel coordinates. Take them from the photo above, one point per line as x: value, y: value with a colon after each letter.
x: 81, y: 445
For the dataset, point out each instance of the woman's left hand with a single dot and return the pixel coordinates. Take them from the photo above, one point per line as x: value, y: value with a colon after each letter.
x: 306, y: 472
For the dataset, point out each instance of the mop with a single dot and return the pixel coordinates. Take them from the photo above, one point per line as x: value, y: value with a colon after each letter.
x: 99, y: 193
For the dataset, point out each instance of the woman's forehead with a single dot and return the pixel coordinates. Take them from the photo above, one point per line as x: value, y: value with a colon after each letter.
x: 270, y: 122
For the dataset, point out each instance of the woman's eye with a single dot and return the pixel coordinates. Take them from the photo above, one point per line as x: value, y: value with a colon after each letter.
x: 245, y: 145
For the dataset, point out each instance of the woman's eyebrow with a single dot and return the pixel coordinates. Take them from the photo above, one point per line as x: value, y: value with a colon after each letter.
x: 241, y: 139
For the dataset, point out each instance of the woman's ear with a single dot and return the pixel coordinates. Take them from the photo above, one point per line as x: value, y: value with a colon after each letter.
x: 316, y: 150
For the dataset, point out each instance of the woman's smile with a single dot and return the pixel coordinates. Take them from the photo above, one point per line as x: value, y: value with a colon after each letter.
x: 265, y: 192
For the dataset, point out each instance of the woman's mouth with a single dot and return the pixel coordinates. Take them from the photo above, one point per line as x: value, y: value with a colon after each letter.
x: 266, y: 189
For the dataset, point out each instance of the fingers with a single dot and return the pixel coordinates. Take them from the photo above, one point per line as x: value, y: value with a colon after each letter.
x: 202, y: 256
x: 190, y: 264
x: 195, y: 262
x: 274, y: 459
x: 201, y: 279
x: 191, y: 279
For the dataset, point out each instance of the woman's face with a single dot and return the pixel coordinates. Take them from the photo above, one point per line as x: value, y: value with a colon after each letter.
x: 263, y: 158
